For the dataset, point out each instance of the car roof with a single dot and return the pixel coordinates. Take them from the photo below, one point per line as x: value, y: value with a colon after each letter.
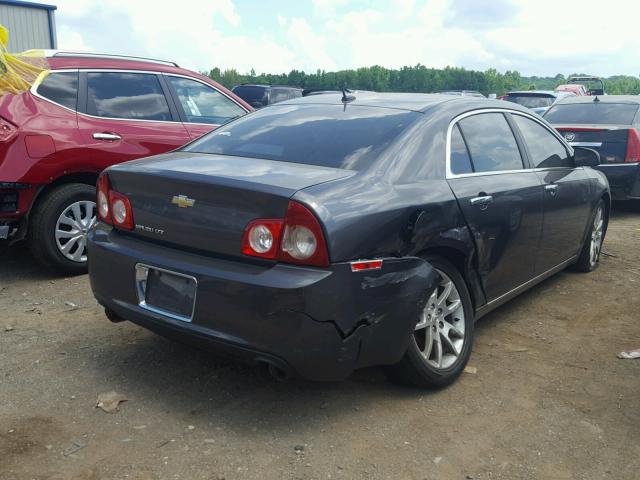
x: 264, y: 85
x: 418, y: 102
x: 629, y: 99
x: 533, y: 92
x: 60, y: 60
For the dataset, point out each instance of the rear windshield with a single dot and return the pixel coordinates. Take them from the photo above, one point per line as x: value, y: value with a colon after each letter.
x: 254, y: 96
x: 592, y: 113
x: 324, y: 135
x: 531, y: 101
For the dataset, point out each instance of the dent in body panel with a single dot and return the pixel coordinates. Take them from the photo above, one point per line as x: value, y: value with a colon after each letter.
x: 379, y: 309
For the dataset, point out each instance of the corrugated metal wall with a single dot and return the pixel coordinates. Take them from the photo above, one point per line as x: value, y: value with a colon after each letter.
x: 28, y: 27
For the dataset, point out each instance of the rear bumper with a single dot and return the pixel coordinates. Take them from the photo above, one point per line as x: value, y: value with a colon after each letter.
x: 318, y: 323
x: 15, y: 201
x: 624, y: 180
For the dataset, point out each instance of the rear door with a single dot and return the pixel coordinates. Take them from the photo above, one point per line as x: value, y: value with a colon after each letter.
x: 201, y: 107
x: 126, y: 115
x: 500, y: 199
x: 566, y: 193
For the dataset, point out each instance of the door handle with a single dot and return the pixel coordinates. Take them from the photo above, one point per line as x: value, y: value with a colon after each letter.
x: 482, y: 202
x: 552, y: 189
x: 106, y: 136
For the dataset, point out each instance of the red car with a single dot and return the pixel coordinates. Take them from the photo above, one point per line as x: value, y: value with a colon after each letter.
x: 89, y: 112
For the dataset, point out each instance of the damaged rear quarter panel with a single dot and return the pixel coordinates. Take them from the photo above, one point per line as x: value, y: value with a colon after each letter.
x: 378, y: 307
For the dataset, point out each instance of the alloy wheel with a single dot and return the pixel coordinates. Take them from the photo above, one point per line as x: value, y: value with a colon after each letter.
x: 440, y: 332
x: 596, y: 237
x: 72, y: 227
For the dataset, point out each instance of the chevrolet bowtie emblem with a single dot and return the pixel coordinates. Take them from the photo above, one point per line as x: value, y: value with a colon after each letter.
x: 183, y: 201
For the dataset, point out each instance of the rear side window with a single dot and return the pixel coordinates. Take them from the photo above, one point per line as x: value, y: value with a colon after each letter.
x: 253, y: 95
x: 61, y: 88
x: 135, y: 96
x: 350, y: 137
x: 544, y: 148
x: 592, y: 113
x: 279, y: 95
x: 491, y: 143
x: 202, y: 103
x: 460, y: 160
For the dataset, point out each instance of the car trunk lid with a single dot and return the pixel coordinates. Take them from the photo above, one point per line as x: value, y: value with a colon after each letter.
x: 204, y: 202
x: 610, y: 141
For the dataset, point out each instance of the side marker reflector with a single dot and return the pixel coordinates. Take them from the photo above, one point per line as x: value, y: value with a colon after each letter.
x: 362, y: 265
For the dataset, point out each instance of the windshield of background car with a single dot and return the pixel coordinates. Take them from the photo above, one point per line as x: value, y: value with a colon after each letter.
x: 531, y: 101
x: 254, y: 96
x: 592, y: 113
x: 335, y: 136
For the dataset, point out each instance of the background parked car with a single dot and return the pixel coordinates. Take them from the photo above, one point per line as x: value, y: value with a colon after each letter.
x: 594, y: 85
x: 578, y: 89
x: 610, y: 125
x: 259, y: 96
x: 89, y: 112
x: 359, y: 201
x: 537, y: 100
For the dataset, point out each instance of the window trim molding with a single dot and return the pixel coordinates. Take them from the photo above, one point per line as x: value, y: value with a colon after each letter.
x: 450, y: 175
x: 34, y: 91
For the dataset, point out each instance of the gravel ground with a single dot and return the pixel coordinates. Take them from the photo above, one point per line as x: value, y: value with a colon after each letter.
x: 549, y: 400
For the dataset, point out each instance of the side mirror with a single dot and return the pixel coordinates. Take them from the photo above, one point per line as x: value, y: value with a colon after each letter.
x: 585, y: 157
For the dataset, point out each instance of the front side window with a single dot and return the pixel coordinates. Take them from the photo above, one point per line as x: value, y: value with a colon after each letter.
x: 544, y: 148
x: 202, y: 103
x: 491, y: 143
x: 134, y: 96
x: 61, y: 88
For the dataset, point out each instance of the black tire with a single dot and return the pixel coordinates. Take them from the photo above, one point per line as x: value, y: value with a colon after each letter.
x: 42, y: 225
x: 585, y: 263
x: 413, y: 369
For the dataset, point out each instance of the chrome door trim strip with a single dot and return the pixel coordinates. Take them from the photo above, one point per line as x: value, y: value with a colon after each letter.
x: 585, y: 144
x: 496, y: 302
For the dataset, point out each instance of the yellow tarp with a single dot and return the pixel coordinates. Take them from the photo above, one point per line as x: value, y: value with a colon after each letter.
x: 18, y: 71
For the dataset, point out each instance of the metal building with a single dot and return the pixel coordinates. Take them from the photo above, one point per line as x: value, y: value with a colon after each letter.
x: 31, y: 25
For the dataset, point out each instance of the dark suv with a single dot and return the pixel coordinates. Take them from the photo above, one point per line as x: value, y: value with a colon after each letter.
x: 259, y: 96
x: 90, y: 111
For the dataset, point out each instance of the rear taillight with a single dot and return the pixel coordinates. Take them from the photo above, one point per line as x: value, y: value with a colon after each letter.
x: 262, y: 238
x: 633, y: 147
x: 114, y: 208
x: 102, y: 198
x: 298, y: 238
x: 7, y: 129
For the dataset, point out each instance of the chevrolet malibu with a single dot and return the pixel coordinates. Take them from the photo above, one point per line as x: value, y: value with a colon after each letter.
x: 334, y: 232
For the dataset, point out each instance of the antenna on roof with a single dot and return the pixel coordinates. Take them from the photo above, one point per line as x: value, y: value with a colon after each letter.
x: 347, y: 98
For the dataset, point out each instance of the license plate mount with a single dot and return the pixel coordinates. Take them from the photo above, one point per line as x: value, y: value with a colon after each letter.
x: 166, y: 292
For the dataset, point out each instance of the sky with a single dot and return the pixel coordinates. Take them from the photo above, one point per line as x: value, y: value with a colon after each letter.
x: 541, y: 37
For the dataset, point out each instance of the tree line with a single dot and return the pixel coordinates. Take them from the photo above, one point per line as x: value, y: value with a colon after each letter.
x: 418, y: 78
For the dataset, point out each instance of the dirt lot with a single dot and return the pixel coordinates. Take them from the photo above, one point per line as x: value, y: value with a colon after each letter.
x: 550, y: 400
